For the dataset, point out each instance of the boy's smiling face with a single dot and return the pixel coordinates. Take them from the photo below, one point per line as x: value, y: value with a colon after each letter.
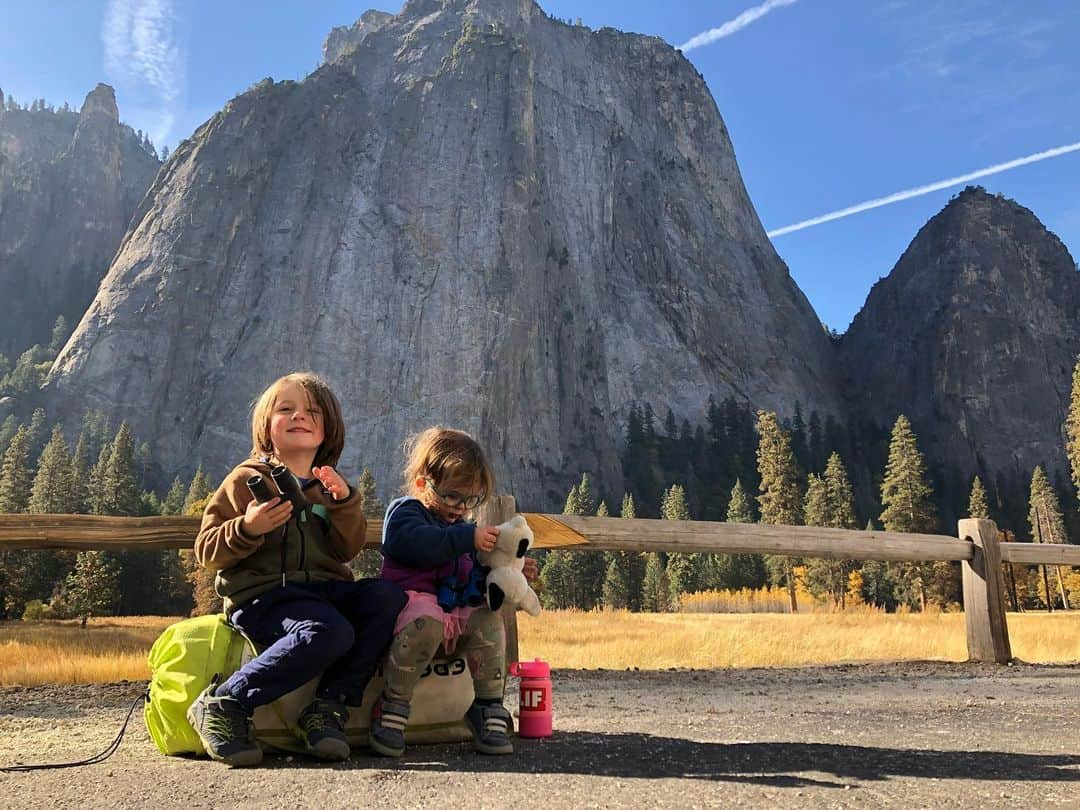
x: 296, y: 424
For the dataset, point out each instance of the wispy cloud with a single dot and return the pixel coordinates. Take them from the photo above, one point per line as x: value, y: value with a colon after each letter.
x: 927, y: 189
x: 144, y: 56
x: 735, y: 25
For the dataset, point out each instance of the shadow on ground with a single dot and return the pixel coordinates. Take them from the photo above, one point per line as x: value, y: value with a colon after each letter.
x: 782, y: 764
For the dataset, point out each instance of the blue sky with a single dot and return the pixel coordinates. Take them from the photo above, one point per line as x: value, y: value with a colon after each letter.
x: 829, y: 104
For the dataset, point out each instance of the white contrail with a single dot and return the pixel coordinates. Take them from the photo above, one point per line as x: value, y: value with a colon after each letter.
x: 916, y: 192
x: 142, y: 52
x: 733, y: 26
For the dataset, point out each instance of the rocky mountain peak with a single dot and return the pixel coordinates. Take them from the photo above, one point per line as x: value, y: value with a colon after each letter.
x: 68, y: 186
x: 973, y: 335
x: 101, y: 101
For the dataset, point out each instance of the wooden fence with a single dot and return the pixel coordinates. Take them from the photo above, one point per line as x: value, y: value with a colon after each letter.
x: 976, y: 547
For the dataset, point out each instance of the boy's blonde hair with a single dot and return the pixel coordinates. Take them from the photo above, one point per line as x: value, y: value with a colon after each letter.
x: 333, y: 442
x: 444, y: 454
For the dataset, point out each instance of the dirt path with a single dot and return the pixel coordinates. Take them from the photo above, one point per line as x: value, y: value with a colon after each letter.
x: 911, y: 735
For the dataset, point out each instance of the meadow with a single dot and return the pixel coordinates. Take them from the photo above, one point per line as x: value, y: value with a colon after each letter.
x: 114, y: 649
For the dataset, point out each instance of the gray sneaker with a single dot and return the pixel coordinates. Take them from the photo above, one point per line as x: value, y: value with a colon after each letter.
x: 322, y: 728
x: 225, y: 729
x: 387, y: 733
x: 490, y: 726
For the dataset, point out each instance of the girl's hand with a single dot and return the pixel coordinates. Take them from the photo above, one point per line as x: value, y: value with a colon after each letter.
x: 260, y: 518
x: 484, y: 537
x: 332, y: 482
x: 530, y: 569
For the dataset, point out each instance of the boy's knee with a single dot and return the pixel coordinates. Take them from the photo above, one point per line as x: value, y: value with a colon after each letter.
x: 329, y: 639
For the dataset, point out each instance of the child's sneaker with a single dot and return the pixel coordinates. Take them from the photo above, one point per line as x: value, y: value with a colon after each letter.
x: 490, y: 726
x: 225, y: 729
x: 322, y: 728
x: 387, y: 733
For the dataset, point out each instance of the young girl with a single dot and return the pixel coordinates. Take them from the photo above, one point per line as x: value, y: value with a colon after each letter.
x: 286, y: 583
x: 427, y: 549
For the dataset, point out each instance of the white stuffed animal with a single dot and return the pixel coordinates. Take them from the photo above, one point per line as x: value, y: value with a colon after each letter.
x: 505, y: 582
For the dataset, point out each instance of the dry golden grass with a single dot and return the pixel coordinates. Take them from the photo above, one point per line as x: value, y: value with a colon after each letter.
x: 616, y: 640
x: 110, y: 650
x: 106, y: 650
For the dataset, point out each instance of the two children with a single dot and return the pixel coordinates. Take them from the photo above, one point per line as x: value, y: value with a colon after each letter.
x: 284, y: 578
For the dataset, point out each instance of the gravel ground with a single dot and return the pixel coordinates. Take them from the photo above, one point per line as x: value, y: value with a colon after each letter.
x: 910, y: 735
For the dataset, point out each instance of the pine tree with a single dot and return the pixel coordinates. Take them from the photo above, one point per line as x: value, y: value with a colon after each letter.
x: 15, y: 476
x: 96, y: 498
x: 780, y: 500
x: 94, y: 586
x: 740, y: 509
x: 841, y: 498
x: 199, y: 489
x: 367, y: 563
x: 906, y: 498
x: 24, y: 574
x: 654, y: 585
x: 977, y: 506
x: 121, y: 494
x: 60, y: 334
x: 602, y: 510
x: 1047, y: 525
x: 624, y: 570
x: 573, y: 503
x: 682, y: 569
x: 616, y: 590
x: 556, y: 574
x: 824, y: 578
x: 174, y: 500
x: 36, y: 440
x: 53, y: 490
x: 7, y: 432
x: 1072, y: 427
x: 373, y: 507
x: 817, y: 501
x: 905, y: 493
x: 586, y: 496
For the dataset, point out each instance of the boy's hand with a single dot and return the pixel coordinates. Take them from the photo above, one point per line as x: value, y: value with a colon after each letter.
x: 332, y: 481
x: 484, y: 537
x: 530, y: 569
x: 260, y: 518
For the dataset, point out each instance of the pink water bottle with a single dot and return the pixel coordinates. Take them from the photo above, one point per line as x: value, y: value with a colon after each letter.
x: 535, y: 704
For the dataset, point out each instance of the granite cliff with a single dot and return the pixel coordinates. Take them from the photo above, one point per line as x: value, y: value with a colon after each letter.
x: 471, y: 213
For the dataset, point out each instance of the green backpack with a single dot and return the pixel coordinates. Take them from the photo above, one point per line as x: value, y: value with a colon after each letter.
x: 183, y: 661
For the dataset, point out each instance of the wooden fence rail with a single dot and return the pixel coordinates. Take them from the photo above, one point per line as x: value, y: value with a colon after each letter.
x: 976, y: 547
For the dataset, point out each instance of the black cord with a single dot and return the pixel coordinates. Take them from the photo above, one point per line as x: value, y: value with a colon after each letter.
x: 101, y: 757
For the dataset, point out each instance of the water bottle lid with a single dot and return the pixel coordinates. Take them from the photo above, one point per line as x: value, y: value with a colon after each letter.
x: 531, y: 669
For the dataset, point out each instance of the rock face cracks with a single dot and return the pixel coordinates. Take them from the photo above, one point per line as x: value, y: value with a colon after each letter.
x: 470, y: 214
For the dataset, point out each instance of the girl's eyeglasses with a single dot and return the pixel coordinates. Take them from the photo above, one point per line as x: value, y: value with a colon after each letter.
x: 455, y: 499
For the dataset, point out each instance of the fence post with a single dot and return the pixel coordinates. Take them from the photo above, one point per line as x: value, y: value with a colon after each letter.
x: 499, y: 510
x: 984, y: 594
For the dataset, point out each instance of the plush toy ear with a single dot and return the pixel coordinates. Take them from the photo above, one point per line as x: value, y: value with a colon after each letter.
x: 523, y: 546
x: 495, y: 596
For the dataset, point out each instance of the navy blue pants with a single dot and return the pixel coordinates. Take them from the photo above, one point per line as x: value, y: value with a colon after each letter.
x: 335, y: 629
